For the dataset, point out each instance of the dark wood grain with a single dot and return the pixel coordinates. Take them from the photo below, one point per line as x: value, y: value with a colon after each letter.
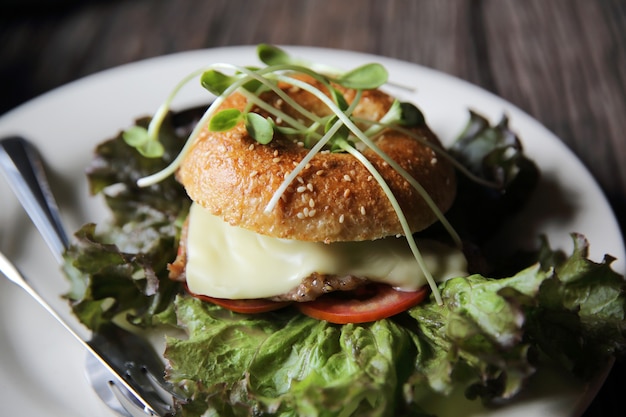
x: 562, y: 61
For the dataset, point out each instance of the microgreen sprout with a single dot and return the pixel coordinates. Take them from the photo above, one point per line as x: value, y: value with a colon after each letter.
x: 366, y: 77
x: 139, y: 138
x: 272, y: 55
x: 260, y: 128
x: 146, y: 141
x: 336, y: 132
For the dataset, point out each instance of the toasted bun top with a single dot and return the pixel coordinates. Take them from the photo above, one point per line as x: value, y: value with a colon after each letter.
x: 335, y: 198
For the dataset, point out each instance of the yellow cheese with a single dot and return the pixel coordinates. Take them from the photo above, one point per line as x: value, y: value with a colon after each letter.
x: 224, y: 261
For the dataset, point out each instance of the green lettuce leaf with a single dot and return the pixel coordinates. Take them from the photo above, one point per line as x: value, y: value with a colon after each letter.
x: 570, y: 309
x: 581, y: 316
x: 120, y: 266
x: 493, y: 153
x: 477, y: 335
x: 287, y: 364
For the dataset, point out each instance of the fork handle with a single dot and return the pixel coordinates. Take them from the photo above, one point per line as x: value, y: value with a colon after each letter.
x: 24, y: 171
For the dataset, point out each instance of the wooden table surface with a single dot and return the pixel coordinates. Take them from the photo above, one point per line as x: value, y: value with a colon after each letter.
x: 561, y: 61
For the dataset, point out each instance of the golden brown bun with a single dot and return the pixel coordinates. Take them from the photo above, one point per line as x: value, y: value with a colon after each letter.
x: 333, y: 199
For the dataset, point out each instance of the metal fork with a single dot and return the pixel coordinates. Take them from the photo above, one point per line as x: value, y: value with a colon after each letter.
x: 130, y: 378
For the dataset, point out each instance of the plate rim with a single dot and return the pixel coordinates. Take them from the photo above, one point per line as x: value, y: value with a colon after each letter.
x: 245, y: 51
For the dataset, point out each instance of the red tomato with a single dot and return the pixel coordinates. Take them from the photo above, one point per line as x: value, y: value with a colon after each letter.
x: 368, y: 303
x: 242, y: 306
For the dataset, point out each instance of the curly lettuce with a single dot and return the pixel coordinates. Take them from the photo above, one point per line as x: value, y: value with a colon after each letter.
x: 486, y: 336
x: 119, y: 266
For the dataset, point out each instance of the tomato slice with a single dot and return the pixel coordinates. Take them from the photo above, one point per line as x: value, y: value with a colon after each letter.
x: 254, y: 306
x: 368, y: 303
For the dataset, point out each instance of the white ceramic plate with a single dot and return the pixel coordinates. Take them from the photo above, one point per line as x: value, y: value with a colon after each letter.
x: 41, y: 368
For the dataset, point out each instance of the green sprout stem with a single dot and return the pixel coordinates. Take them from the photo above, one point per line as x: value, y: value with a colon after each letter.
x: 346, y: 120
x: 344, y: 145
x: 280, y: 93
x: 276, y: 55
x: 312, y: 152
x: 171, y: 168
x: 161, y: 113
x: 301, y: 165
x: 438, y: 150
x: 254, y: 99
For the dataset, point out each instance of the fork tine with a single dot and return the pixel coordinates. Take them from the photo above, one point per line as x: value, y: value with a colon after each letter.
x: 100, y: 378
x: 126, y: 352
x: 140, y: 359
x: 128, y: 401
x: 163, y: 387
x: 149, y: 383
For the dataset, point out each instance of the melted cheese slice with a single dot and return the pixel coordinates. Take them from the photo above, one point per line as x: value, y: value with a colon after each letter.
x: 224, y: 261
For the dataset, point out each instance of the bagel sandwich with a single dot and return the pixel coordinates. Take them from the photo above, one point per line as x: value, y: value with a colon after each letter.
x: 333, y: 226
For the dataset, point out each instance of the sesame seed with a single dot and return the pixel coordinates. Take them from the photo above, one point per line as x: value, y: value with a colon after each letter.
x: 312, y: 213
x: 433, y: 161
x: 320, y: 172
x: 254, y: 173
x: 363, y: 210
x: 305, y: 211
x: 276, y: 152
x: 346, y: 193
x: 300, y: 144
x: 347, y: 177
x: 369, y: 178
x: 311, y: 203
x: 300, y: 215
x: 300, y: 180
x: 276, y: 160
x: 309, y: 187
x: 341, y: 218
x: 301, y: 189
x: 251, y: 147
